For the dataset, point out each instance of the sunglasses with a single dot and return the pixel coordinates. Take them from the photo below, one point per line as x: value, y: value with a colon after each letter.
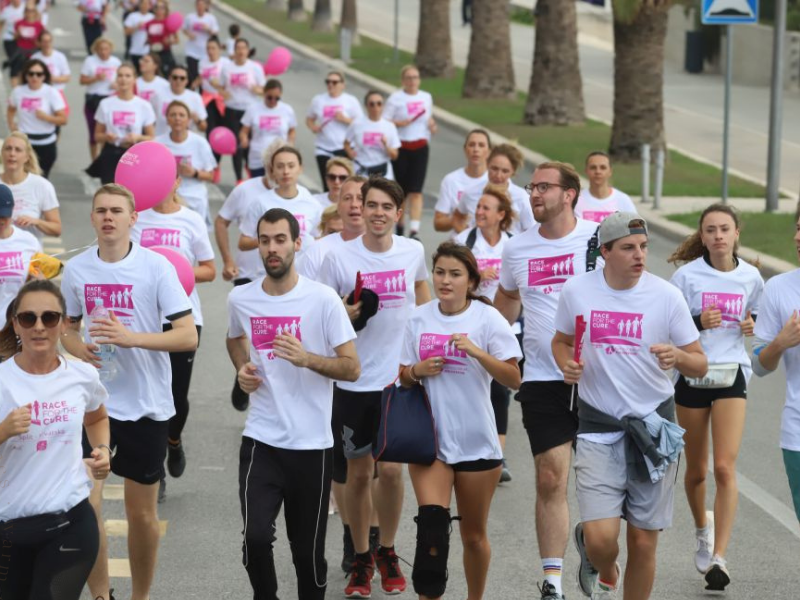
x: 333, y: 81
x: 50, y: 319
x: 35, y: 74
x: 332, y: 177
x: 375, y: 103
x: 179, y: 77
x: 271, y: 98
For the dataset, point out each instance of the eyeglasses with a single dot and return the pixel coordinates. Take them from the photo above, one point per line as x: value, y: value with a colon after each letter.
x: 271, y: 98
x: 35, y: 74
x: 542, y: 187
x: 179, y: 77
x: 50, y: 319
x: 333, y: 81
x: 332, y: 177
x: 375, y: 103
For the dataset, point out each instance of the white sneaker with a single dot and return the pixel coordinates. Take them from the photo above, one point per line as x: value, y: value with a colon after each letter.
x: 705, y: 545
x: 600, y: 594
x: 717, y: 576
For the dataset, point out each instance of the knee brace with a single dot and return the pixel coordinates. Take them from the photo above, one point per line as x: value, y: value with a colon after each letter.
x: 433, y: 547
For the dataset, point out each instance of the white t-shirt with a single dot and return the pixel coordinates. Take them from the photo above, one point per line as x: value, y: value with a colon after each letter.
x: 32, y: 197
x: 324, y: 200
x: 781, y: 298
x: 487, y: 256
x: 323, y: 110
x: 93, y: 67
x: 734, y: 293
x: 266, y: 125
x: 150, y: 90
x: 196, y: 151
x: 291, y: 409
x: 454, y: 185
x: 520, y: 203
x: 235, y: 210
x: 140, y: 289
x: 460, y: 395
x: 43, y: 469
x: 310, y: 263
x: 621, y: 377
x: 538, y: 268
x: 193, y: 22
x: 184, y: 231
x: 392, y: 275
x: 595, y: 209
x: 28, y: 101
x: 137, y: 21
x: 93, y: 8
x: 58, y: 65
x: 366, y: 138
x: 211, y: 70
x: 401, y: 106
x: 238, y: 80
x: 191, y: 99
x: 122, y: 117
x: 10, y: 15
x: 15, y: 259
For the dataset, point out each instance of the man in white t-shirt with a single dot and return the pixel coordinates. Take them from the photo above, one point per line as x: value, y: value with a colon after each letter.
x: 178, y: 80
x: 601, y: 200
x: 137, y: 287
x: 535, y: 266
x: 395, y: 279
x: 625, y: 378
x: 289, y: 339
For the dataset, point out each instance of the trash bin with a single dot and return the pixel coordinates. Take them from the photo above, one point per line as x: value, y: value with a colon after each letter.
x: 693, y: 62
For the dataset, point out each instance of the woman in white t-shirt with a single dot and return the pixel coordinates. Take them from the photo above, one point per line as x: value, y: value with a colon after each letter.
x: 56, y: 62
x: 36, y: 109
x: 150, y: 84
x: 265, y: 122
x: 135, y: 25
x: 198, y: 26
x: 371, y: 142
x: 121, y: 121
x: 454, y: 346
x: 50, y: 532
x: 35, y: 202
x: 723, y: 294
x: 98, y: 74
x: 209, y: 79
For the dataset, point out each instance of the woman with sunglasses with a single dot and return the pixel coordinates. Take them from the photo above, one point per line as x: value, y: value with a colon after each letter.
x: 210, y: 82
x: 178, y: 90
x: 98, y: 74
x: 150, y: 83
x: 337, y: 170
x: 264, y: 123
x: 159, y: 39
x: 36, y: 108
x: 36, y: 205
x: 328, y: 117
x: 454, y: 346
x: 372, y: 142
x: 46, y: 402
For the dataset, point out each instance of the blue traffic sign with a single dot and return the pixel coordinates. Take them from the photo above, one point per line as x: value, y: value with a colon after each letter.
x: 729, y: 12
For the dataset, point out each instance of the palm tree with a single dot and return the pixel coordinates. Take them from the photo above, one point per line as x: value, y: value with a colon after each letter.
x: 490, y: 73
x: 555, y: 93
x: 322, y: 16
x: 640, y: 28
x: 434, y: 50
x: 349, y: 19
x: 276, y: 4
x: 297, y: 11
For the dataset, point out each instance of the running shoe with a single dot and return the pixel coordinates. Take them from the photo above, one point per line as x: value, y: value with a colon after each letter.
x: 705, y: 545
x: 239, y: 399
x: 162, y: 491
x: 586, y: 574
x: 414, y: 235
x: 548, y: 591
x: 176, y: 460
x: 598, y: 593
x: 505, y: 474
x: 392, y: 579
x: 717, y: 576
x: 348, y: 552
x: 360, y: 584
x: 110, y: 595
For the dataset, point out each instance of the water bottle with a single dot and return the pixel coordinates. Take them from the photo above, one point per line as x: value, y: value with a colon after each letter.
x: 106, y: 352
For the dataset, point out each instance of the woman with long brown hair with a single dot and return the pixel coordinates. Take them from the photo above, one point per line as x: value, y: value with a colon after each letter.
x: 723, y: 293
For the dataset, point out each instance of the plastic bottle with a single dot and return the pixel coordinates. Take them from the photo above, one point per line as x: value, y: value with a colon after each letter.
x: 106, y: 352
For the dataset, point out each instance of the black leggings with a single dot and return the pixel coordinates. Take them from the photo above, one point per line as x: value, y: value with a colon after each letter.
x: 233, y: 121
x: 47, y: 155
x: 91, y: 31
x: 181, y: 363
x: 501, y: 398
x: 213, y: 120
x: 48, y: 557
x: 301, y: 481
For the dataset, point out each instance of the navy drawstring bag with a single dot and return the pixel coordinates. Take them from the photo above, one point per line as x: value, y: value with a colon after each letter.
x: 407, y: 433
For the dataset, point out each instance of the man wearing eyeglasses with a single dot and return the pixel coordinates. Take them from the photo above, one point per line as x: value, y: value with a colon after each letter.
x: 178, y: 81
x: 328, y: 117
x: 536, y: 265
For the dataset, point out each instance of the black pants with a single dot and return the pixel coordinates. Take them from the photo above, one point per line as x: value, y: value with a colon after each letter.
x: 501, y: 398
x: 181, y: 363
x: 47, y: 155
x: 322, y: 161
x: 213, y: 120
x: 301, y: 481
x: 33, y: 559
x: 233, y: 121
x: 192, y: 65
x: 91, y: 31
x: 167, y: 61
x: 105, y: 165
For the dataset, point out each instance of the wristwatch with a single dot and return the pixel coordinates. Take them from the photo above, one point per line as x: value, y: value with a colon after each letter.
x: 111, y: 453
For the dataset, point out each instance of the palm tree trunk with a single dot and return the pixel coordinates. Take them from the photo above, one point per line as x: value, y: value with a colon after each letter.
x: 490, y: 73
x: 349, y: 19
x: 555, y: 93
x: 276, y: 4
x: 639, y: 82
x: 434, y: 50
x: 297, y: 11
x: 322, y: 16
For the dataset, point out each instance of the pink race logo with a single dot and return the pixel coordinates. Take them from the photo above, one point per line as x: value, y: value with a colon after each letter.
x: 240, y: 79
x: 123, y: 118
x: 437, y: 344
x: 31, y: 104
x: 115, y: 296
x: 198, y: 26
x: 389, y: 285
x: 487, y: 263
x: 415, y: 108
x: 157, y: 236
x: 731, y: 305
x: 329, y: 112
x: 12, y: 267
x: 616, y: 328
x: 269, y: 123
x: 106, y: 73
x: 263, y: 331
x: 372, y: 139
x: 596, y: 215
x: 551, y: 271
x: 146, y: 94
x: 301, y: 220
x: 209, y: 72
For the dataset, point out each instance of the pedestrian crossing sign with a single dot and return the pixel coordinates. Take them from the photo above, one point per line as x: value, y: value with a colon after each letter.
x: 729, y: 12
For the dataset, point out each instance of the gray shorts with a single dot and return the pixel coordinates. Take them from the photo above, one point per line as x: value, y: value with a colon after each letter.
x: 605, y: 492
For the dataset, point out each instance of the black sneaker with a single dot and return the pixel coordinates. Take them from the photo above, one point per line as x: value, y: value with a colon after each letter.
x: 399, y: 228
x: 239, y: 399
x: 414, y: 235
x: 110, y: 591
x: 162, y: 491
x: 548, y: 591
x: 348, y: 552
x: 176, y: 459
x: 505, y: 474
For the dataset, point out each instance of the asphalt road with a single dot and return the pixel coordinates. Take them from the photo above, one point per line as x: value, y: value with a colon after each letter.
x: 200, y: 555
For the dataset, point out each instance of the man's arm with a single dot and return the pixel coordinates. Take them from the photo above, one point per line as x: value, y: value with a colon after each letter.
x: 181, y: 338
x: 563, y: 351
x: 509, y: 304
x: 689, y: 360
x: 422, y: 292
x: 345, y: 366
x: 768, y: 355
x: 74, y: 344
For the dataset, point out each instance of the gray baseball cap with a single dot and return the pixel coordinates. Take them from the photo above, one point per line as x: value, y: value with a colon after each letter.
x: 6, y: 202
x: 620, y: 225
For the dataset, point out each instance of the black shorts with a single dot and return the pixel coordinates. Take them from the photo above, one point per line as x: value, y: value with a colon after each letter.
x: 339, y: 461
x: 690, y: 397
x: 546, y: 414
x: 360, y: 419
x: 140, y: 449
x: 475, y: 466
x: 410, y: 169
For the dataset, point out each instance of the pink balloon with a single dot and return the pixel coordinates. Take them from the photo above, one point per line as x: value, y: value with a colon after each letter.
x: 222, y: 140
x: 278, y: 61
x: 173, y: 22
x: 181, y: 264
x: 148, y: 170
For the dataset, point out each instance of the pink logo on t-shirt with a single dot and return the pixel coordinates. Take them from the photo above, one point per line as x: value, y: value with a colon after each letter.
x: 263, y: 331
x: 550, y: 272
x: 106, y: 73
x: 301, y: 220
x: 615, y: 328
x: 240, y: 79
x: 50, y: 412
x: 486, y: 263
x: 115, y: 296
x: 730, y: 305
x: 389, y: 285
x: 41, y: 445
x: 329, y: 112
x: 269, y: 123
x: 437, y: 344
x: 35, y: 413
x: 596, y: 215
x: 11, y: 267
x: 158, y: 236
x: 123, y: 118
x: 31, y: 104
x: 198, y: 26
x: 183, y: 160
x: 146, y: 94
x: 415, y: 108
x: 210, y: 72
x: 372, y: 139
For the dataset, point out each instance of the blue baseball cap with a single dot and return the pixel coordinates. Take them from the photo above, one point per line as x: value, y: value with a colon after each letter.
x: 6, y: 202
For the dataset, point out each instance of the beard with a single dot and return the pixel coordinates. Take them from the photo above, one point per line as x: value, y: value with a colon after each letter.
x: 548, y: 213
x: 279, y: 271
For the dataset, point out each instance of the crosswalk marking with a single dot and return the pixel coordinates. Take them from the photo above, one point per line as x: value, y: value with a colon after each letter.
x: 119, y: 567
x: 119, y: 528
